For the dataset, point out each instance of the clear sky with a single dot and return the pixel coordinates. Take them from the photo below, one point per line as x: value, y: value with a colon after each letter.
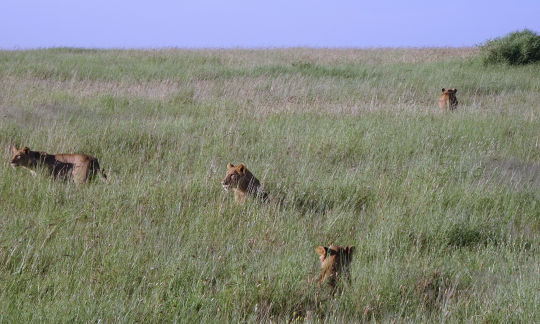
x: 253, y: 23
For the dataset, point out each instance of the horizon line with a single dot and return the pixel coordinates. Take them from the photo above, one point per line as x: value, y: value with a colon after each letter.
x: 150, y: 48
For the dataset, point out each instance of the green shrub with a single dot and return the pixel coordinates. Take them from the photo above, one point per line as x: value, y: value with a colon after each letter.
x: 520, y: 47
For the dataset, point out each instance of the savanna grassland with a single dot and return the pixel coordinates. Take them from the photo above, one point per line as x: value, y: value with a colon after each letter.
x: 443, y: 208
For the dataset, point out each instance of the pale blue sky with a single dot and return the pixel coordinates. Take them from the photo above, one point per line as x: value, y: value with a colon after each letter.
x: 277, y: 23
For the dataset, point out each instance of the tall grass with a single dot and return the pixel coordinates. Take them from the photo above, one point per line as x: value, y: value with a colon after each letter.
x: 443, y: 208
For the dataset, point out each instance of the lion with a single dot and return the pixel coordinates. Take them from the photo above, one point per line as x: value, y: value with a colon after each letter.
x: 243, y: 183
x: 335, y: 262
x: 448, y: 100
x: 80, y: 167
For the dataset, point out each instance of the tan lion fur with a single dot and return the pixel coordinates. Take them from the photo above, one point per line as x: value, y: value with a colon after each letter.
x: 448, y: 100
x: 243, y: 182
x: 335, y: 262
x: 80, y: 167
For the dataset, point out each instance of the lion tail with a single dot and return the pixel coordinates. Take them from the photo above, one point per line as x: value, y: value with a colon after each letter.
x: 96, y: 169
x: 263, y: 195
x: 103, y: 175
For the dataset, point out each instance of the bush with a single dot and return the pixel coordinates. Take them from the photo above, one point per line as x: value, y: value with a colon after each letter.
x: 520, y: 47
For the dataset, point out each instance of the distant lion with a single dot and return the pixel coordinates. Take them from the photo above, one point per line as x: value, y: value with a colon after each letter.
x: 242, y: 182
x: 335, y: 262
x: 448, y: 100
x: 80, y: 167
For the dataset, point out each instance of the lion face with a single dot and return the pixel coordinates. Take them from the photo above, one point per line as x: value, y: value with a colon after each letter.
x: 22, y: 157
x: 335, y: 261
x: 234, y: 177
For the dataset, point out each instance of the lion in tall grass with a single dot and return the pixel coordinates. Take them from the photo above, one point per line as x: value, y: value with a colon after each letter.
x: 80, y: 167
x: 243, y: 182
x: 335, y: 262
x: 448, y: 100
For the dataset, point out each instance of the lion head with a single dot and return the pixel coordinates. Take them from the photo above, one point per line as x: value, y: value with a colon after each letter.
x: 236, y: 177
x: 335, y: 261
x: 242, y: 182
x: 23, y: 157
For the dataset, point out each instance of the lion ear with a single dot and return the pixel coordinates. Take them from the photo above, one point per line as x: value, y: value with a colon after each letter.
x: 230, y: 166
x: 321, y: 250
x: 14, y: 149
x: 242, y: 168
x: 455, y: 90
x: 26, y: 149
x: 442, y: 89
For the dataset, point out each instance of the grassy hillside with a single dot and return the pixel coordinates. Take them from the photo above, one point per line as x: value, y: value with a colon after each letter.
x: 444, y: 209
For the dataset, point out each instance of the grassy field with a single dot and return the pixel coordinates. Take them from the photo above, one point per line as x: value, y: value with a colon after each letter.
x: 444, y: 209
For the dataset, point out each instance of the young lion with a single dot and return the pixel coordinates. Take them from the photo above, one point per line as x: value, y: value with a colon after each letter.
x: 335, y: 261
x: 448, y: 100
x: 243, y: 182
x: 79, y: 166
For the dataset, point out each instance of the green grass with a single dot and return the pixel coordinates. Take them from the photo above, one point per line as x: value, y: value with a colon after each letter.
x: 444, y: 209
